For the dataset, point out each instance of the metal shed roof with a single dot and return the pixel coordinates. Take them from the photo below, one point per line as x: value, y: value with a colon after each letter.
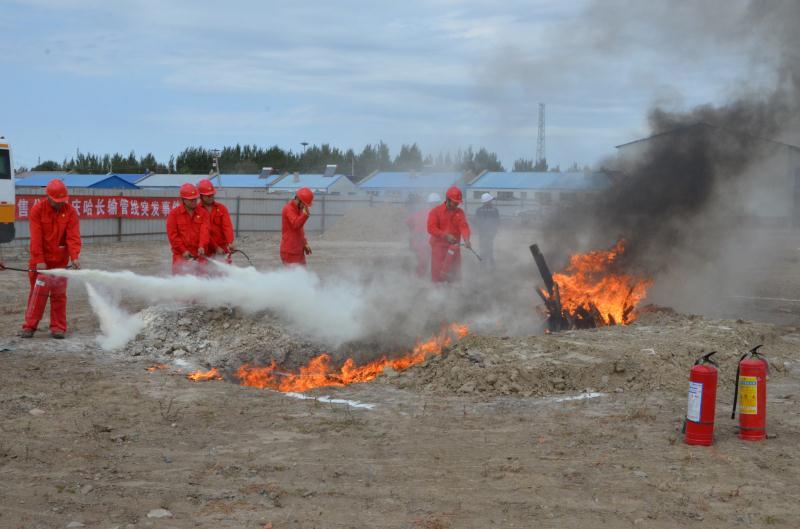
x: 244, y: 180
x: 410, y: 180
x: 170, y: 180
x: 504, y: 180
x: 133, y: 178
x: 97, y: 181
x: 313, y: 181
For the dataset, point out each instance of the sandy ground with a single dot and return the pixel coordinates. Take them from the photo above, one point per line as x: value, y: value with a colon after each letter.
x: 93, y: 438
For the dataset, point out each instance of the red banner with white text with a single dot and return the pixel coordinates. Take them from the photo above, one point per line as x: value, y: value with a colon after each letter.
x: 99, y: 207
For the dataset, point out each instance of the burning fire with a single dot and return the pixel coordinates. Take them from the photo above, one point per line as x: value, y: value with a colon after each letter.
x: 320, y: 372
x: 201, y: 376
x: 155, y: 367
x: 594, y: 292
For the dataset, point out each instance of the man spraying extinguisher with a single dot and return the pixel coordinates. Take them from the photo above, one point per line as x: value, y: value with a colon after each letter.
x: 221, y: 228
x: 188, y: 229
x: 447, y: 226
x: 55, y: 243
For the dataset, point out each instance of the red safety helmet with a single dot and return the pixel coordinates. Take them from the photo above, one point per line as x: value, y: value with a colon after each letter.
x: 205, y: 187
x: 454, y: 194
x: 306, y: 196
x: 189, y: 192
x: 57, y: 191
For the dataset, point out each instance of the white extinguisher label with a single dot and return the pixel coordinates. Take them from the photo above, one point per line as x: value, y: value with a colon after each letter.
x: 695, y: 401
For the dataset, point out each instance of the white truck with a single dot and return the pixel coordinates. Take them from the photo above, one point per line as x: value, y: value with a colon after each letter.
x: 7, y: 192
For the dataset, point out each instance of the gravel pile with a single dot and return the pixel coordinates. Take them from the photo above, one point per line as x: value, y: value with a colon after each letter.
x: 656, y: 353
x: 219, y: 337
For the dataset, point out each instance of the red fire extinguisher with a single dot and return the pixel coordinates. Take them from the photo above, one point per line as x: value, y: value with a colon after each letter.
x: 38, y: 297
x: 751, y: 395
x: 699, y: 425
x: 453, y: 253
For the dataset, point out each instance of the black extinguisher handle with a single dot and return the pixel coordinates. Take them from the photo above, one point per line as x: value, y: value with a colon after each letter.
x: 706, y: 359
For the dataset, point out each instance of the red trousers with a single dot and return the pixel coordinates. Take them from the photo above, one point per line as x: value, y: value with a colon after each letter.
x: 42, y: 288
x: 422, y: 253
x: 444, y: 268
x: 289, y: 259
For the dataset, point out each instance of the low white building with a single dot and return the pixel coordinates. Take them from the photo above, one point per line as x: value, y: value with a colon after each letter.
x: 534, y: 192
x: 401, y: 185
x: 335, y: 184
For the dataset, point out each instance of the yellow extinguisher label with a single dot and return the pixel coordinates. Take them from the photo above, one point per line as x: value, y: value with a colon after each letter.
x: 748, y: 395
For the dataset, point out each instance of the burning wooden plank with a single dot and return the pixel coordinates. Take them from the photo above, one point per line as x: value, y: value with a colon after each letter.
x: 593, y: 291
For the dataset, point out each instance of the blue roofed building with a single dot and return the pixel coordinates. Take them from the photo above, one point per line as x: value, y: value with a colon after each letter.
x: 89, y: 181
x: 534, y: 192
x: 261, y: 180
x: 156, y: 180
x: 249, y: 181
x: 133, y: 178
x: 401, y: 185
x: 335, y: 184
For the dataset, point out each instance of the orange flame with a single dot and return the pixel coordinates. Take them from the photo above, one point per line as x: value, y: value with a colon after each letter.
x: 319, y: 372
x: 591, y: 281
x: 155, y: 367
x: 201, y: 376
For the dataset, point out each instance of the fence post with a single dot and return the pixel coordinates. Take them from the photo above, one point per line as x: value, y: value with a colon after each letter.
x: 238, y: 205
x: 119, y: 225
x: 323, y: 214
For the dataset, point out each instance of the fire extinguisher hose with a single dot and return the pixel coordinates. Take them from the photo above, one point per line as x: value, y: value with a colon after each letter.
x: 26, y: 270
x: 244, y: 254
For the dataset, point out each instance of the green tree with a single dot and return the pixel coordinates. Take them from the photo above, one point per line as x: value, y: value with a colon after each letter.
x: 523, y: 165
x: 47, y: 165
x: 409, y: 158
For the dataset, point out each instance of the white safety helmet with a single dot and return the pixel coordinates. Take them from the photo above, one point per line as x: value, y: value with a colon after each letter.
x: 486, y: 197
x: 434, y: 198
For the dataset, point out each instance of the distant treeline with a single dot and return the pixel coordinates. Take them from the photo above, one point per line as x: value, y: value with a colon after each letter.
x: 249, y: 159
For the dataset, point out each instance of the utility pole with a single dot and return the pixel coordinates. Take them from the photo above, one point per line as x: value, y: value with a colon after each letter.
x: 541, y: 157
x: 215, y: 154
x: 303, y: 157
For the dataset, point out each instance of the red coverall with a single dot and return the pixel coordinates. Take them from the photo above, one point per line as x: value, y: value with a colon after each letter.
x: 441, y: 222
x: 293, y: 237
x: 187, y: 232
x: 221, y: 229
x: 417, y: 223
x: 55, y: 240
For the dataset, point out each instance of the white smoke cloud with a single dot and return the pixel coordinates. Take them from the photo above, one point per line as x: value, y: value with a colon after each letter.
x: 330, y: 312
x: 118, y: 327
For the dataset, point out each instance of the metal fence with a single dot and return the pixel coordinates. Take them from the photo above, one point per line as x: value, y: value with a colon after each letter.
x: 254, y: 210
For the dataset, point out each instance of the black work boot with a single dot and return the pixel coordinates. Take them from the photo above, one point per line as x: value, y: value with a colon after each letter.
x: 58, y: 335
x: 26, y: 333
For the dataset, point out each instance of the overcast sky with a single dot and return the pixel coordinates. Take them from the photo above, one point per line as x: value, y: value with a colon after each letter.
x: 160, y: 75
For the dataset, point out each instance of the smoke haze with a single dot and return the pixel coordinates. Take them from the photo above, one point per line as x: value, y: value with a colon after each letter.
x: 117, y: 326
x: 689, y: 200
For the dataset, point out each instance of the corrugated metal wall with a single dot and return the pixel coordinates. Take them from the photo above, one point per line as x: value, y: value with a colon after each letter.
x: 252, y: 210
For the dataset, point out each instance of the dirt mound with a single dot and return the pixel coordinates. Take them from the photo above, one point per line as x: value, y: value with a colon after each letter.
x: 379, y: 223
x: 654, y: 354
x: 219, y: 337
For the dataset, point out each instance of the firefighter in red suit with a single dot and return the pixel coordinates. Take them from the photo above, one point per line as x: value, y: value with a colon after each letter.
x: 417, y: 223
x: 221, y: 228
x: 447, y: 226
x: 294, y: 246
x: 55, y: 243
x: 188, y: 231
